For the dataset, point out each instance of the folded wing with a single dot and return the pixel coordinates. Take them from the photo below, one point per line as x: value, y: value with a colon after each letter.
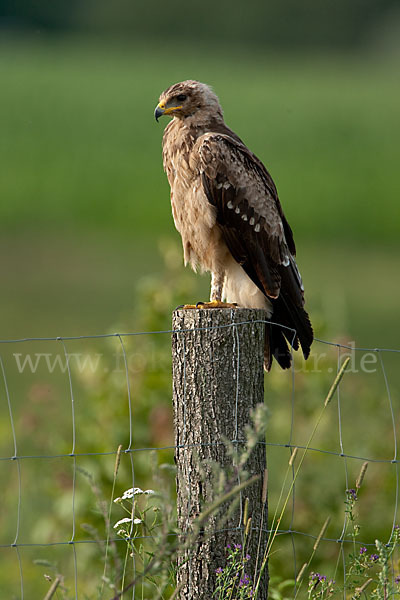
x: 258, y: 236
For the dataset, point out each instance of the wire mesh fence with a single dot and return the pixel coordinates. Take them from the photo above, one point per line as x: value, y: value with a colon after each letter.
x: 69, y: 402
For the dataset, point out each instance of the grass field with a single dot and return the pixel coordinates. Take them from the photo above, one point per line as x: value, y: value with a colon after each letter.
x: 79, y: 143
x: 84, y: 198
x: 84, y: 204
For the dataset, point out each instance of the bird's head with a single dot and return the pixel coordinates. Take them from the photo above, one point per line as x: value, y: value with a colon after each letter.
x: 187, y: 99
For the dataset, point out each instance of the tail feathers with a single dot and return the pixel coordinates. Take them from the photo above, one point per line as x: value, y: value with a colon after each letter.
x: 276, y: 347
x: 305, y: 333
x: 300, y: 322
x: 289, y: 311
x: 292, y: 326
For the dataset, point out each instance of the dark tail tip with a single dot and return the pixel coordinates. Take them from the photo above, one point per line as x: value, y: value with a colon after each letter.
x: 276, y: 347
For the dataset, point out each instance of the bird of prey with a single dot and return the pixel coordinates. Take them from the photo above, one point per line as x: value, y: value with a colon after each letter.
x: 226, y: 207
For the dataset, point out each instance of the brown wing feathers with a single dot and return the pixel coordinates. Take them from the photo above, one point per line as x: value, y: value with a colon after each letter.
x: 247, y: 247
x: 266, y: 258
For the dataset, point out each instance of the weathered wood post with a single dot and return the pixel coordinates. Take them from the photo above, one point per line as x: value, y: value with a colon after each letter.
x: 217, y: 379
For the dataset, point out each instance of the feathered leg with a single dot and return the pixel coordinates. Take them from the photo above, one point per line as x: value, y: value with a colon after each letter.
x: 217, y: 284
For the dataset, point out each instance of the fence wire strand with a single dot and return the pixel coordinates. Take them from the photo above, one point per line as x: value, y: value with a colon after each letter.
x: 130, y: 450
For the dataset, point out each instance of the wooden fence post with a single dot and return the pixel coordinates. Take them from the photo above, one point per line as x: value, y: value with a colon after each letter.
x: 217, y: 380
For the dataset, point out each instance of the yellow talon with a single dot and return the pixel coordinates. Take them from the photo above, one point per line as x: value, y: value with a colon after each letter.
x: 212, y: 304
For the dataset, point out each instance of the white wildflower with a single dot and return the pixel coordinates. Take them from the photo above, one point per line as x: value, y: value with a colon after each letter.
x: 122, y: 521
x: 128, y: 494
x: 132, y: 492
x: 137, y: 521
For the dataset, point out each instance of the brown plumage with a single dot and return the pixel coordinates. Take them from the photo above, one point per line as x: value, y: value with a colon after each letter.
x: 226, y: 208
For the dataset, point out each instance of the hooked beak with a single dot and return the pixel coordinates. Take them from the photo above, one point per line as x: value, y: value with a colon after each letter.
x: 161, y: 110
x: 158, y: 112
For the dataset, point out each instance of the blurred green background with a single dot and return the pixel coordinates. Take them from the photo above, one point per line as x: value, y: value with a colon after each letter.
x: 313, y: 89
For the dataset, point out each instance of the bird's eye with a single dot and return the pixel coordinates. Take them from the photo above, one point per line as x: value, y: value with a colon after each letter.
x: 181, y: 97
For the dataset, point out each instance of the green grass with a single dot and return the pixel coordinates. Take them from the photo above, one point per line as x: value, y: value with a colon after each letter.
x: 80, y: 152
x: 84, y: 202
x: 80, y: 146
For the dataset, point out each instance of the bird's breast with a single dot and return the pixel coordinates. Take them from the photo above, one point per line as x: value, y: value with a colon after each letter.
x: 194, y: 216
x: 195, y: 219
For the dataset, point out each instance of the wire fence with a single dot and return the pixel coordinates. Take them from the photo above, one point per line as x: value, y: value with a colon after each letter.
x: 18, y: 365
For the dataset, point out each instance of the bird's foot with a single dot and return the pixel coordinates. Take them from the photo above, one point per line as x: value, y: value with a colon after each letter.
x: 212, y: 304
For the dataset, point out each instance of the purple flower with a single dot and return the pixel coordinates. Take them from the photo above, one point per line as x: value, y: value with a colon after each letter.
x: 238, y: 546
x: 245, y: 580
x: 373, y: 557
x: 352, y: 493
x: 228, y: 546
x: 397, y: 526
x: 219, y: 571
x: 322, y: 577
x: 247, y: 557
x: 397, y: 579
x: 363, y: 550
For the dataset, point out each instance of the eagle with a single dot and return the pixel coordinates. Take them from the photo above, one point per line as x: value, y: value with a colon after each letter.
x: 225, y: 206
